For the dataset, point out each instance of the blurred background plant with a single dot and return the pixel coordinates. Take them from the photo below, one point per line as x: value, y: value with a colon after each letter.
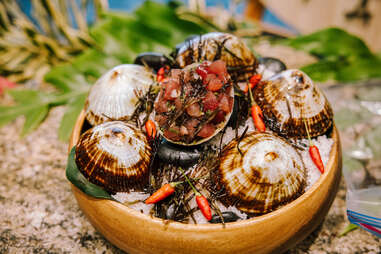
x: 56, y: 32
x: 53, y: 43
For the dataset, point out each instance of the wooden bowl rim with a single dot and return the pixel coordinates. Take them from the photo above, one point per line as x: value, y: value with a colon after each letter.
x: 212, y: 227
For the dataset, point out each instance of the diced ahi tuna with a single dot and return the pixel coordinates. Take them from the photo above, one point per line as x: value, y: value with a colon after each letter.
x: 173, y: 133
x: 220, y: 117
x: 161, y: 119
x: 183, y: 130
x: 209, y: 85
x: 161, y: 106
x: 172, y: 89
x: 207, y: 130
x: 224, y: 104
x: 214, y: 85
x: 209, y: 78
x: 210, y: 101
x: 194, y: 110
x: 218, y: 67
x: 178, y: 103
x: 191, y: 125
x: 202, y: 70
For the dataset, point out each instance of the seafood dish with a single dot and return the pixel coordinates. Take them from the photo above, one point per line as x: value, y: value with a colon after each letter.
x: 195, y: 102
x: 207, y: 134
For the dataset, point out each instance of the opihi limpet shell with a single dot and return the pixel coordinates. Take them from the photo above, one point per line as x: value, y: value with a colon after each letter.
x: 268, y: 174
x: 287, y: 98
x: 240, y: 61
x: 113, y: 96
x: 114, y: 155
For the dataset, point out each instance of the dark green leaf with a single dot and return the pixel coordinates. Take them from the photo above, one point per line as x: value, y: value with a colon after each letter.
x: 360, y: 68
x: 33, y: 118
x: 348, y: 229
x: 68, y: 120
x: 23, y: 96
x: 8, y: 114
x: 331, y: 42
x: 78, y: 180
x: 322, y: 71
x: 342, y: 56
x: 29, y: 101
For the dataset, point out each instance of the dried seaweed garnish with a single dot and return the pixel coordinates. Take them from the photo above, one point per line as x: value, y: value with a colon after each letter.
x: 109, y: 118
x: 239, y: 140
x: 210, y: 118
x: 231, y: 53
x: 218, y: 211
x: 145, y: 103
x: 155, y: 143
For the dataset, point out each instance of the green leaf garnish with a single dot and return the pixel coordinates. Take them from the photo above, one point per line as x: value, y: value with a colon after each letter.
x: 79, y: 181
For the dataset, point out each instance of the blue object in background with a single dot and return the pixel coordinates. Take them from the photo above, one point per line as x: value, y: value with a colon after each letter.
x: 268, y: 16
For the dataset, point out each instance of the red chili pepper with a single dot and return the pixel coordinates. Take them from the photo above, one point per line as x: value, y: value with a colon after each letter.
x: 162, y: 73
x: 256, y: 114
x: 150, y: 128
x: 314, y: 151
x: 254, y: 80
x: 163, y: 70
x: 315, y: 156
x: 203, y: 204
x: 165, y: 191
x: 202, y: 70
x: 160, y: 78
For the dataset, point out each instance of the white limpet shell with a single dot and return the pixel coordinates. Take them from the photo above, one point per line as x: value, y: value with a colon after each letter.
x: 289, y: 97
x: 113, y: 96
x: 114, y: 155
x: 269, y: 173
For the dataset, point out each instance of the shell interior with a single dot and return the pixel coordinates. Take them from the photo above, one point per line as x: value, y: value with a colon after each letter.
x: 240, y: 61
x: 288, y: 98
x: 268, y: 173
x: 113, y: 96
x: 114, y: 155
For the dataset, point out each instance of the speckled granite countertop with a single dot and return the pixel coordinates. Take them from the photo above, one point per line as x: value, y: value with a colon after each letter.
x: 40, y: 215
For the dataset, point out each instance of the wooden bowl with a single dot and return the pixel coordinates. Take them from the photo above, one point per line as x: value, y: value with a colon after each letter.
x: 274, y: 232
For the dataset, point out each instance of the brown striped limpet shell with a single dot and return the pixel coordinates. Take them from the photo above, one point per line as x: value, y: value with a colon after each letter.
x: 113, y: 96
x: 114, y: 155
x: 240, y: 61
x: 287, y: 98
x: 268, y: 173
